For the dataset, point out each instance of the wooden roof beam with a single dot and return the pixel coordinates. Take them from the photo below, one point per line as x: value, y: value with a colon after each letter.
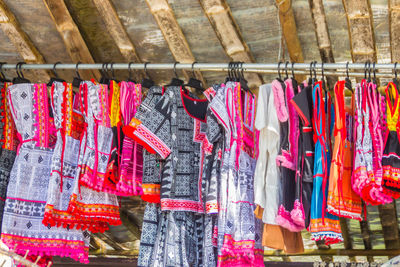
x: 117, y: 31
x: 289, y: 31
x: 394, y: 29
x: 71, y: 35
x: 228, y: 33
x: 21, y: 41
x: 173, y: 35
x: 322, y: 35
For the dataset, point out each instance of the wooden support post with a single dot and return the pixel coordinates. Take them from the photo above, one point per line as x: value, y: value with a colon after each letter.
x: 394, y: 29
x: 228, y: 33
x: 117, y: 31
x: 347, y: 240
x: 390, y: 225
x: 124, y: 215
x: 69, y: 32
x: 173, y: 34
x: 21, y: 41
x: 289, y: 31
x: 322, y: 34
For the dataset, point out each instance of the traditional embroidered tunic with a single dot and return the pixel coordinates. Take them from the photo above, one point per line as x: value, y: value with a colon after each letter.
x: 29, y: 180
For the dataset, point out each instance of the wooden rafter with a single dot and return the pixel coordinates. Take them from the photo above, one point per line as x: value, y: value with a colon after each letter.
x: 109, y: 241
x: 394, y: 29
x: 20, y: 39
x: 69, y: 32
x: 289, y: 31
x: 173, y: 35
x: 117, y: 30
x: 322, y: 35
x: 228, y: 33
x: 124, y: 215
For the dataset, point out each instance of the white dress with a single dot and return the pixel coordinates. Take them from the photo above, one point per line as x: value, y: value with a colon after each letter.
x: 267, y: 186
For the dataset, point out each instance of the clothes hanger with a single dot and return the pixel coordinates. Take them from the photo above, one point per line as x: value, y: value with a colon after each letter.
x: 369, y: 72
x: 279, y: 71
x: 76, y: 82
x: 175, y: 80
x: 20, y: 76
x: 286, y: 70
x: 147, y: 82
x: 311, y: 79
x: 130, y: 79
x: 395, y: 80
x: 3, y: 78
x: 193, y: 82
x: 55, y: 79
x: 374, y: 72
x: 347, y: 81
x: 112, y: 78
x: 104, y: 79
x: 324, y: 83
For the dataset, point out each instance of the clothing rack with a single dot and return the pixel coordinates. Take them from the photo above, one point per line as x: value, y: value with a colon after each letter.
x: 382, y: 70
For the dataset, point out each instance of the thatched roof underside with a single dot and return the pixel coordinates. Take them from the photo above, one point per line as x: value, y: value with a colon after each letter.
x: 39, y: 31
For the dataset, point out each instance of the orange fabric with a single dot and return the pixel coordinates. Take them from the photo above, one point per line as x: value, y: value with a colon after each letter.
x: 277, y: 237
x: 342, y: 200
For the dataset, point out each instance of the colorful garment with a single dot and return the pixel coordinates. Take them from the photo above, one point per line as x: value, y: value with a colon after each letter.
x: 323, y: 225
x: 267, y: 182
x: 342, y: 200
x: 152, y: 164
x: 391, y: 155
x: 131, y: 167
x: 239, y: 232
x: 290, y: 214
x: 9, y: 144
x: 22, y: 227
x: 94, y: 209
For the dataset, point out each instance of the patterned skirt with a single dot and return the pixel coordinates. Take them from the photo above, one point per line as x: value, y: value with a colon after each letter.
x: 22, y: 227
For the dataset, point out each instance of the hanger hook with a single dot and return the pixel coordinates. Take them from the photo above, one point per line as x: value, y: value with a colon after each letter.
x: 293, y: 70
x: 1, y: 70
x: 241, y: 69
x: 145, y: 69
x: 311, y: 63
x: 395, y: 70
x: 194, y: 75
x: 112, y: 70
x: 315, y: 70
x: 279, y: 70
x: 322, y: 71
x: 365, y: 70
x: 54, y: 68
x: 20, y: 69
x: 347, y: 70
x: 129, y: 71
x: 286, y: 70
x: 16, y: 69
x: 176, y: 75
x: 374, y: 71
x: 369, y: 71
x: 77, y: 70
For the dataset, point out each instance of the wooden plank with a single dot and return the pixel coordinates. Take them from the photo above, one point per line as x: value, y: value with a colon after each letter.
x: 73, y: 39
x: 289, y: 31
x: 21, y: 41
x: 173, y: 34
x: 109, y: 241
x: 228, y: 33
x: 361, y: 31
x: 117, y: 31
x: 322, y: 34
x: 394, y: 29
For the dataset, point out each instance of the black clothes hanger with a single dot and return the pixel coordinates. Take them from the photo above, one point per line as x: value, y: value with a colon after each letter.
x: 130, y: 79
x: 286, y: 70
x: 395, y: 80
x: 347, y: 81
x: 147, y: 82
x: 55, y: 79
x: 175, y: 80
x: 3, y: 78
x: 374, y: 72
x: 294, y: 81
x: 243, y: 82
x: 230, y: 77
x: 111, y: 70
x: 104, y: 79
x: 20, y: 76
x: 77, y: 79
x: 193, y: 82
x: 279, y: 71
x: 311, y: 79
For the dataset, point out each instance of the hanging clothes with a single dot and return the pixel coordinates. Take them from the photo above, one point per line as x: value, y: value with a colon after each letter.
x: 22, y: 228
x: 131, y: 167
x: 302, y: 102
x: 9, y: 143
x: 391, y: 154
x: 152, y: 164
x: 291, y: 212
x: 175, y: 129
x: 94, y: 209
x: 342, y: 200
x: 239, y: 232
x: 323, y: 225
